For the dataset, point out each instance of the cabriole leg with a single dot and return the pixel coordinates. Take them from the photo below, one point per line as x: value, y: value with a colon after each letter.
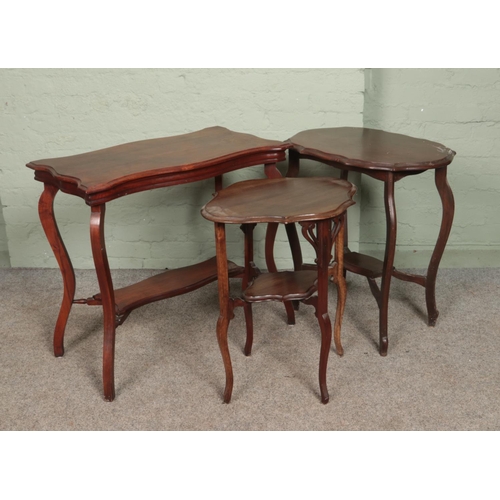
x: 272, y: 172
x: 107, y: 296
x: 448, y: 204
x: 339, y: 279
x: 324, y: 256
x: 49, y: 224
x: 247, y: 277
x: 224, y: 306
x: 344, y: 175
x: 272, y: 229
x: 390, y: 251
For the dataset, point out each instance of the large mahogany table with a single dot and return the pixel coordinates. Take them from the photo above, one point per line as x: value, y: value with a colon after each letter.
x: 104, y: 175
x: 387, y: 157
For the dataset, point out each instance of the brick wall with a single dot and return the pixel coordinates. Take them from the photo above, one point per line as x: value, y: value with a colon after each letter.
x: 459, y: 108
x: 48, y: 113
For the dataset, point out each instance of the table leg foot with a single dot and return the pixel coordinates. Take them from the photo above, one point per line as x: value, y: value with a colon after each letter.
x: 433, y: 319
x: 109, y: 394
x: 384, y: 345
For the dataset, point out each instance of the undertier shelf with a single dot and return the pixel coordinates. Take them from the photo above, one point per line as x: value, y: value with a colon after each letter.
x: 363, y: 264
x: 169, y: 284
x: 282, y: 286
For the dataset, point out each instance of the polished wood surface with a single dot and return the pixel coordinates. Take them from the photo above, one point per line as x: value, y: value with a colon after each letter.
x: 101, y: 176
x: 106, y: 174
x: 387, y: 157
x: 282, y: 286
x: 49, y: 224
x: 167, y: 284
x: 371, y: 149
x: 318, y: 205
x: 305, y: 199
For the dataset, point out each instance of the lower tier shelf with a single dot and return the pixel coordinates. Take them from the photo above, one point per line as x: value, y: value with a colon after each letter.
x: 169, y: 284
x: 365, y: 265
x: 282, y: 286
x: 373, y: 268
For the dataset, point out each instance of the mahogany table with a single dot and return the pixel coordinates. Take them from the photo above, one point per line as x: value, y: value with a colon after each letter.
x: 319, y: 205
x: 387, y: 157
x: 104, y: 175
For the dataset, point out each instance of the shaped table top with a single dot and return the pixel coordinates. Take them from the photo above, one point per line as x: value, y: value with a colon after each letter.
x: 105, y: 174
x: 281, y: 200
x: 371, y: 149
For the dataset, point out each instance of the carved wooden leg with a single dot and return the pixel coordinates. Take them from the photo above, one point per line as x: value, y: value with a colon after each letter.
x: 272, y: 229
x: 293, y: 240
x: 291, y: 229
x: 339, y: 279
x: 448, y: 204
x: 49, y: 224
x: 107, y: 296
x: 390, y: 250
x: 272, y: 172
x: 247, y: 277
x: 324, y: 256
x: 344, y: 174
x: 224, y: 306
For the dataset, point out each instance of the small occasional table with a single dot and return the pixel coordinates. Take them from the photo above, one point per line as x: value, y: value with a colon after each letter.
x: 387, y: 157
x: 319, y: 206
x: 107, y: 174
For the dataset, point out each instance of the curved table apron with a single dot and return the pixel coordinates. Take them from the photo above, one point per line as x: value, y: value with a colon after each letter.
x: 104, y: 175
x: 387, y: 157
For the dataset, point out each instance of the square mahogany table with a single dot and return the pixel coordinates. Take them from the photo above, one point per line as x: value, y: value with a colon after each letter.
x: 387, y: 157
x: 104, y: 175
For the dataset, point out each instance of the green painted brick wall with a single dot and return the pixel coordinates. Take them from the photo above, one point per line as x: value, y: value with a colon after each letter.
x: 45, y: 113
x: 459, y: 108
x: 49, y: 113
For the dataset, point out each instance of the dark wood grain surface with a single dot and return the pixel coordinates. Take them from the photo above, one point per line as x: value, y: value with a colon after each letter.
x: 282, y: 286
x: 319, y: 205
x: 281, y: 200
x: 371, y: 149
x: 388, y: 157
x: 105, y: 174
x: 168, y: 284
